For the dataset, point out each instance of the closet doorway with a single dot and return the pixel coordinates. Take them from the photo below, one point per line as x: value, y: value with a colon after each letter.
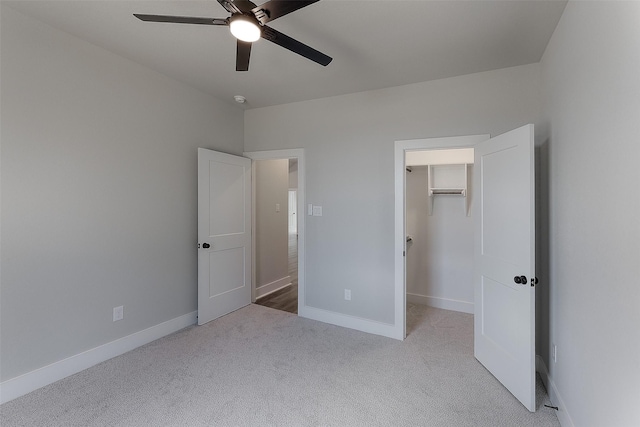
x: 439, y: 230
x: 434, y: 212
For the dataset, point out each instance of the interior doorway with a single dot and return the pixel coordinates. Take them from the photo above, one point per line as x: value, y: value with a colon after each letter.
x: 420, y: 148
x: 439, y: 226
x: 278, y: 229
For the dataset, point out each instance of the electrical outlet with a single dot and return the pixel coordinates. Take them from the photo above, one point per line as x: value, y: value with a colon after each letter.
x: 347, y: 294
x: 555, y: 353
x: 118, y: 313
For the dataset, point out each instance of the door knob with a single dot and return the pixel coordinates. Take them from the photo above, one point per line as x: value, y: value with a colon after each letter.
x: 206, y: 245
x: 520, y: 280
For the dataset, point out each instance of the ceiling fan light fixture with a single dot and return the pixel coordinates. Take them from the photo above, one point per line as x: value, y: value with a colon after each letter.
x: 244, y: 28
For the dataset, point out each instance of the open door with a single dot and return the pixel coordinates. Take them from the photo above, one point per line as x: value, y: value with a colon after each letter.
x: 224, y: 234
x: 504, y: 273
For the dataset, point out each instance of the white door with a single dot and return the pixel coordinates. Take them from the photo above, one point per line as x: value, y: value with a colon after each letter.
x: 504, y: 261
x: 224, y: 234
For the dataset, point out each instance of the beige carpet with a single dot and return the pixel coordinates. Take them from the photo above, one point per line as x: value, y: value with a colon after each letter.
x: 263, y: 367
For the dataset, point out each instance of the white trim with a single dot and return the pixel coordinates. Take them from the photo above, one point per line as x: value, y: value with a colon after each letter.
x: 554, y: 395
x: 295, y: 153
x: 26, y: 383
x: 351, y: 322
x: 272, y: 287
x: 444, y: 303
x: 400, y: 244
x: 400, y: 148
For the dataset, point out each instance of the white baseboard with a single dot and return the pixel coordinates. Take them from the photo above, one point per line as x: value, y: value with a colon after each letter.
x: 270, y: 288
x: 26, y: 383
x: 444, y: 303
x: 352, y: 322
x: 554, y: 395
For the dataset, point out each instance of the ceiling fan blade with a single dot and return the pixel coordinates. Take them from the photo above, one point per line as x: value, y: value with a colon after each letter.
x: 181, y: 19
x: 276, y: 8
x: 237, y: 6
x: 243, y: 51
x: 294, y: 45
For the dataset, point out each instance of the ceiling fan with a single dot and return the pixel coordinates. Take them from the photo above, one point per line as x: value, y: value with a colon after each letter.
x: 248, y: 24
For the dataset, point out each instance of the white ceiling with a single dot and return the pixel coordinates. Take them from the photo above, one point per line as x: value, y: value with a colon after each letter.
x: 375, y: 44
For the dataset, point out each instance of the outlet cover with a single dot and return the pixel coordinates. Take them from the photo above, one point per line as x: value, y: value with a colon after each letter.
x: 118, y: 313
x: 347, y: 294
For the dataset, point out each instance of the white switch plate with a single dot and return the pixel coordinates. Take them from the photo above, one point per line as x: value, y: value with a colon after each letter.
x: 277, y: 207
x: 118, y: 313
x: 347, y: 294
x: 317, y: 211
x: 310, y: 209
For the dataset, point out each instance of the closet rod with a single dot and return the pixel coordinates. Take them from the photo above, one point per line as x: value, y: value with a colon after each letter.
x: 456, y: 191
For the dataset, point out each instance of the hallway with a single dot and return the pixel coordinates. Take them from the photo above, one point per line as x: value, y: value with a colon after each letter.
x: 286, y: 299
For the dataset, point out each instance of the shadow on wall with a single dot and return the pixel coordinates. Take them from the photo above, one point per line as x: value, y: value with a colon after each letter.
x: 543, y: 290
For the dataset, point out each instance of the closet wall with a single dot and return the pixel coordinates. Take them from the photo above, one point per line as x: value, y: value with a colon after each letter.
x: 440, y: 255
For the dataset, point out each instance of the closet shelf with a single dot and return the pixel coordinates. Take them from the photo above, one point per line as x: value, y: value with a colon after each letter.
x: 448, y: 180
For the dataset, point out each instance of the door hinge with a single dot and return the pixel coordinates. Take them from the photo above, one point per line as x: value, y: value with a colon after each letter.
x: 404, y: 253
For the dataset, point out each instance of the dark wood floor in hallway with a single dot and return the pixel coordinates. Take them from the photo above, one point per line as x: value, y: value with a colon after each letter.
x: 286, y: 299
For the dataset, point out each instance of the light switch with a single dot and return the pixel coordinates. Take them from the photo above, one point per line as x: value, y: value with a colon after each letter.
x: 310, y: 209
x: 277, y: 207
x: 317, y: 211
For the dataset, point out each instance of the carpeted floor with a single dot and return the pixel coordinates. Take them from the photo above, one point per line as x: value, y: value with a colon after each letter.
x: 263, y: 367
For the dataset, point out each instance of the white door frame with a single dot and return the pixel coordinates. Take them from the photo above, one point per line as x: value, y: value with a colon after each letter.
x: 400, y: 150
x: 294, y: 153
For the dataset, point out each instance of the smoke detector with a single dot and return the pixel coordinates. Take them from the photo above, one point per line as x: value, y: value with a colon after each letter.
x: 240, y: 99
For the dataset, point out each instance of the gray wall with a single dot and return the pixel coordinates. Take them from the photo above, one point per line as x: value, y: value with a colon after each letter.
x: 271, y: 233
x: 293, y: 174
x: 349, y: 141
x: 591, y: 72
x: 98, y: 193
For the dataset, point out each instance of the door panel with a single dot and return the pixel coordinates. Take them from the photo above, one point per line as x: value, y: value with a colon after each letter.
x: 504, y: 336
x: 224, y: 234
x: 503, y: 202
x: 226, y: 200
x: 226, y: 271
